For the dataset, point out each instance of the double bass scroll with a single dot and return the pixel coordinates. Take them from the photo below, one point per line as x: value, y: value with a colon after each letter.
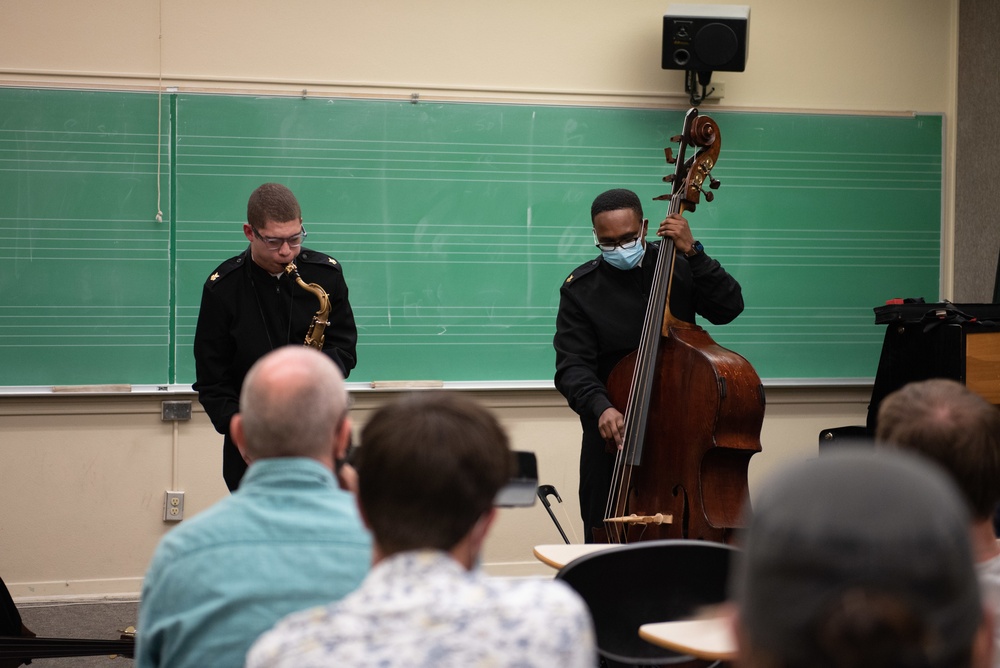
x: 693, y: 409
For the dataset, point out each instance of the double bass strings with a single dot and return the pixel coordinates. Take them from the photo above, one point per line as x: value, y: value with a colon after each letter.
x: 637, y: 411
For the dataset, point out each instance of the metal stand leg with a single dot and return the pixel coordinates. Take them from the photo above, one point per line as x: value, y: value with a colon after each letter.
x: 543, y: 493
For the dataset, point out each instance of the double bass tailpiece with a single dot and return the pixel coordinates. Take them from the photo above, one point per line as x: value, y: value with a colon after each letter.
x: 658, y: 518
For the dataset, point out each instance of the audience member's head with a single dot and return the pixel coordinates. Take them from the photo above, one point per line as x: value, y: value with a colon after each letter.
x: 429, y: 467
x: 293, y: 404
x: 287, y: 540
x: 859, y: 559
x: 948, y: 423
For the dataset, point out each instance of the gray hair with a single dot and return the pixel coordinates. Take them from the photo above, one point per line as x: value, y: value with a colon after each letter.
x: 292, y: 403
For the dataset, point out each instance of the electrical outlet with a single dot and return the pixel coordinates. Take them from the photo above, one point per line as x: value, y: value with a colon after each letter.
x: 173, y: 506
x: 175, y: 410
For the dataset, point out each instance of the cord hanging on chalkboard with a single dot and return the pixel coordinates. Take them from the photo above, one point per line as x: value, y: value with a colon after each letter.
x: 159, y: 111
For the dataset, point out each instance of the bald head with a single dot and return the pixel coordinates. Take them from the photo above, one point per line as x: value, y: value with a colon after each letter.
x: 293, y: 405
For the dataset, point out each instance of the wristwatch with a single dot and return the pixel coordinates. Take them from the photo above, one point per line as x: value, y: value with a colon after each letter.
x: 696, y: 248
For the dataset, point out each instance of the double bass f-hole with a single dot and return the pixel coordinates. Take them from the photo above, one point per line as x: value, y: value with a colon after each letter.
x: 681, y: 471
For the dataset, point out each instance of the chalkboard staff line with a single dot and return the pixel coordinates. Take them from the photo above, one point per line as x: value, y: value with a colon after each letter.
x: 192, y: 143
x: 427, y: 340
x: 475, y: 173
x: 373, y: 330
x: 229, y: 230
x: 893, y: 260
x: 129, y: 310
x: 503, y: 172
x: 572, y: 246
x: 402, y: 234
x: 855, y: 183
x: 192, y: 140
x: 755, y: 160
x: 484, y: 164
x: 775, y: 183
x: 532, y: 163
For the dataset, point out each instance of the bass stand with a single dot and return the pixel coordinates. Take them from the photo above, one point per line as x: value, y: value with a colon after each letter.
x: 544, y: 491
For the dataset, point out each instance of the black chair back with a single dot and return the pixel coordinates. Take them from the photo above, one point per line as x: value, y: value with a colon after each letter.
x: 650, y: 581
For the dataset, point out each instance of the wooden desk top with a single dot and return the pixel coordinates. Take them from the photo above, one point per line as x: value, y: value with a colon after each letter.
x: 561, y: 554
x: 705, y: 638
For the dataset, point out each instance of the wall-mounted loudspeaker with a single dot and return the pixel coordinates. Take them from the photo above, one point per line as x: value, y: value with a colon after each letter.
x: 706, y: 38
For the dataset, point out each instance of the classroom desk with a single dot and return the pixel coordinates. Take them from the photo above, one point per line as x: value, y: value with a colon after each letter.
x: 558, y: 555
x: 705, y: 638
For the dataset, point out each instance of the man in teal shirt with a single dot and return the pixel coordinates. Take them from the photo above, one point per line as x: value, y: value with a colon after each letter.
x: 290, y: 538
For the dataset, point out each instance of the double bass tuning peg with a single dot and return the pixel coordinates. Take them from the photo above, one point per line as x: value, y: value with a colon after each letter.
x: 714, y: 184
x: 669, y: 153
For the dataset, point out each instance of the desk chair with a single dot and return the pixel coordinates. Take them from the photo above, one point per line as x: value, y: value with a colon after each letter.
x: 650, y: 581
x: 840, y: 436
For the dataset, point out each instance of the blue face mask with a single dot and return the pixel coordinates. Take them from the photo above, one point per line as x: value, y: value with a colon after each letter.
x: 624, y: 259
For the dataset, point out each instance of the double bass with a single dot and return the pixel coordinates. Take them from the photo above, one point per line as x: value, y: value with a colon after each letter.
x: 693, y: 409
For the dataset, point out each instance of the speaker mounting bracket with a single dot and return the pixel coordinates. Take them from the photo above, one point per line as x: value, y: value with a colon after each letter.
x: 692, y: 81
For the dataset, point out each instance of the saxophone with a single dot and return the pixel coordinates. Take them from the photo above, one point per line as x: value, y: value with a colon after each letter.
x: 315, y: 336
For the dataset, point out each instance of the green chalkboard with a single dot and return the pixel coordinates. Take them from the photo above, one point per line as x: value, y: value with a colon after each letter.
x: 455, y: 224
x: 85, y: 273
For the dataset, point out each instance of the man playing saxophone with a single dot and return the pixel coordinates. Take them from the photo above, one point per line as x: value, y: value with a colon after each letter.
x: 251, y: 305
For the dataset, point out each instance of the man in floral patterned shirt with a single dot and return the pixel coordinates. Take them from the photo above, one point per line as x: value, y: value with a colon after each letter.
x: 429, y: 468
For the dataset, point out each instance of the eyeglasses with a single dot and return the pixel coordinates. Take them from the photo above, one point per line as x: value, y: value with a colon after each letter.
x: 275, y: 243
x: 624, y: 245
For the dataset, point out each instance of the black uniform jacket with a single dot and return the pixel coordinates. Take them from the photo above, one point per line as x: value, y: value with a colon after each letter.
x: 601, y: 311
x: 245, y: 313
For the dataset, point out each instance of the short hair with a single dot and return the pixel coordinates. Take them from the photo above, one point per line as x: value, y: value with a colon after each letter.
x: 272, y: 202
x: 948, y: 423
x: 857, y: 558
x: 292, y: 403
x: 612, y: 200
x: 429, y: 466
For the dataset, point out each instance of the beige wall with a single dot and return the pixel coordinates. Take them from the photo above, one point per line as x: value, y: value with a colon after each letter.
x: 83, y: 476
x: 891, y: 55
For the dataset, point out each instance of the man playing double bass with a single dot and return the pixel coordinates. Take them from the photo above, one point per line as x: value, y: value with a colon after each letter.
x: 602, y: 305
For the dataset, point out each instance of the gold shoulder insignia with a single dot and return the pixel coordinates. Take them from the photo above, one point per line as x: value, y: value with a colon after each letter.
x: 213, y: 276
x: 570, y: 278
x: 332, y: 261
